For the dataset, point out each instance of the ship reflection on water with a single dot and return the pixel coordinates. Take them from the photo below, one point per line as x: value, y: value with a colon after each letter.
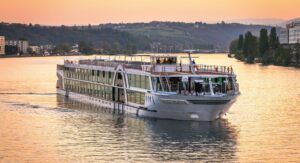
x: 121, y: 137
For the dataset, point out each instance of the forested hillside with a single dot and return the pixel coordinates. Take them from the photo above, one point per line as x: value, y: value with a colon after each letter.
x: 153, y: 36
x: 189, y: 35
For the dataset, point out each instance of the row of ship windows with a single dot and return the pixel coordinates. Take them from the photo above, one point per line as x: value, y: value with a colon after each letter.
x: 101, y: 91
x: 94, y: 76
x: 139, y: 81
x: 106, y: 77
x: 136, y: 97
x: 96, y: 90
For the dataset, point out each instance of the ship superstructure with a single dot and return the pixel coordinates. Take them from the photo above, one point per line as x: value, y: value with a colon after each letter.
x: 159, y: 87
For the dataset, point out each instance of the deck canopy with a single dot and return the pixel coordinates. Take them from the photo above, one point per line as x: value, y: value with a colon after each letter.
x: 163, y: 59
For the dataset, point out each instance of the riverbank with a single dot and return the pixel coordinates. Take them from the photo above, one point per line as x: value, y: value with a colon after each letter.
x: 255, y: 62
x: 27, y: 56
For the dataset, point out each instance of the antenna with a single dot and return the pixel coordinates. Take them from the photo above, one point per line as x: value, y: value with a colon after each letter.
x: 189, y: 51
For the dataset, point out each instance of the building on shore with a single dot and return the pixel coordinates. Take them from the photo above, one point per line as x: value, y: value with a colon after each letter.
x: 284, y: 36
x: 75, y: 49
x: 2, y: 45
x: 22, y: 45
x: 290, y: 34
x: 35, y: 49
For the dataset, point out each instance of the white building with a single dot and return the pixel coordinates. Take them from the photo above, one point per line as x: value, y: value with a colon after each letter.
x: 2, y: 45
x: 22, y: 45
x: 284, y: 36
x: 35, y: 49
x: 290, y: 34
x: 294, y: 35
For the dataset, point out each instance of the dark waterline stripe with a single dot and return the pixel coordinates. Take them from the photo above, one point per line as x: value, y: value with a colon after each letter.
x: 209, y: 102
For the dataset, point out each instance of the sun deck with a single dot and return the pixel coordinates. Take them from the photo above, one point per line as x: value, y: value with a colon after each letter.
x: 156, y: 68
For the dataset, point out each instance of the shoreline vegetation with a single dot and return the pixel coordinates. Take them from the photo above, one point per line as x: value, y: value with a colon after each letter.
x: 70, y: 55
x: 265, y: 49
x: 124, y: 38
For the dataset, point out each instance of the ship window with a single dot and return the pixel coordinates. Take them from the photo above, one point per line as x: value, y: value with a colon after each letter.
x: 93, y: 72
x: 136, y: 97
x: 119, y: 76
x: 143, y: 82
x: 137, y: 81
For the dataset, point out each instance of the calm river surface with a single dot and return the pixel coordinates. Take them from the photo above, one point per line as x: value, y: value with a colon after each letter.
x: 36, y: 125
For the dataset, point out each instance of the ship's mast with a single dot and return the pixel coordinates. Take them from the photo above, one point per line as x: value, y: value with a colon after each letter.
x: 191, y: 64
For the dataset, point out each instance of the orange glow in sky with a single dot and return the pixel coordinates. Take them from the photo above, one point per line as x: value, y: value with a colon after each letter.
x: 70, y: 12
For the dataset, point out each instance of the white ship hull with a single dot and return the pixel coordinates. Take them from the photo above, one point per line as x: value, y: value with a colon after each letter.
x: 208, y: 110
x: 160, y: 89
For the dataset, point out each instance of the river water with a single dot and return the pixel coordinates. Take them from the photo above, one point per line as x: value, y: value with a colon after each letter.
x: 36, y: 125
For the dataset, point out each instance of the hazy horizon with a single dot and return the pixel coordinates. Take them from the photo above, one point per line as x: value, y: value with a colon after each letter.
x: 246, y: 21
x: 77, y: 12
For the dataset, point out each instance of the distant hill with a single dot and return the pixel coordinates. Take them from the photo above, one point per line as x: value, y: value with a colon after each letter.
x: 189, y: 35
x: 264, y: 21
x: 153, y: 36
x: 283, y: 24
x: 39, y: 35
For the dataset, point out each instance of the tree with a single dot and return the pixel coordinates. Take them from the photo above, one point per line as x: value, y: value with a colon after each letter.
x: 131, y: 49
x: 283, y: 56
x: 11, y: 50
x: 29, y: 50
x: 240, y: 42
x: 264, y: 54
x: 250, y: 47
x: 62, y: 48
x: 23, y: 39
x: 273, y: 39
x: 85, y: 48
x: 233, y: 47
x: 263, y: 42
x: 297, y: 52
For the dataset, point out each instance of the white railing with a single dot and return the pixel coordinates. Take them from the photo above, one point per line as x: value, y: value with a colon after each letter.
x: 188, y: 68
x: 157, y: 67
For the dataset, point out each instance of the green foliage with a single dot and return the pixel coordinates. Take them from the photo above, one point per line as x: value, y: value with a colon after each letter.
x: 85, y: 48
x: 263, y: 42
x: 240, y: 42
x: 274, y: 41
x: 41, y: 35
x: 265, y: 53
x: 268, y: 50
x: 233, y: 47
x: 250, y: 47
x: 283, y: 56
x: 297, y: 53
x: 11, y: 50
x: 268, y: 57
x: 29, y: 51
x: 62, y: 48
x: 166, y: 36
x: 131, y: 49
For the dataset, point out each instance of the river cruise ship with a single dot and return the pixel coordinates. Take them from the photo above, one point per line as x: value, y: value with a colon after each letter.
x: 157, y: 87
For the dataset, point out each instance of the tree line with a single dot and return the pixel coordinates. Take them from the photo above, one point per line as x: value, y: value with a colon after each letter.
x: 103, y: 40
x: 159, y: 37
x: 265, y: 49
x: 88, y: 48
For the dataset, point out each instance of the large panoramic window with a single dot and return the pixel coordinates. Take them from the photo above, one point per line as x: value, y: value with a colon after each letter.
x: 138, y: 81
x: 136, y: 97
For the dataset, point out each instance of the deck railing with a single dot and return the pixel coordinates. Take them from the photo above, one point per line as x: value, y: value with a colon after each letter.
x: 187, y: 68
x: 148, y: 67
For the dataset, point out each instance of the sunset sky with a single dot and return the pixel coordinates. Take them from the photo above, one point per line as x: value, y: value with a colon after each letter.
x: 70, y: 12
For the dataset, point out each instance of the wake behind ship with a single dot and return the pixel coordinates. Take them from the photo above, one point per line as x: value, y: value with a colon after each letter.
x: 158, y: 88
